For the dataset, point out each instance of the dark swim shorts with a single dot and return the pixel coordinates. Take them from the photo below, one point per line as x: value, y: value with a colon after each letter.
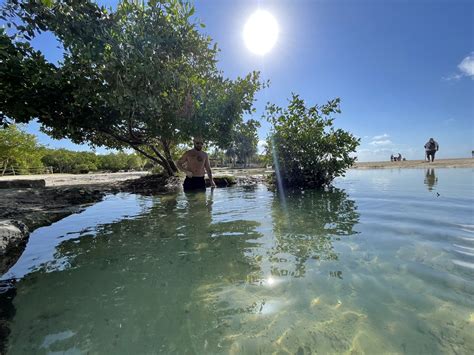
x: 194, y: 183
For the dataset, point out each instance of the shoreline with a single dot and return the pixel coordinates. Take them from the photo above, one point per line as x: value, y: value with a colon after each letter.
x: 416, y: 164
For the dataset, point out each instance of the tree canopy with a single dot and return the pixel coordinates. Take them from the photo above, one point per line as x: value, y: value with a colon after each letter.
x: 142, y: 76
x: 307, y: 150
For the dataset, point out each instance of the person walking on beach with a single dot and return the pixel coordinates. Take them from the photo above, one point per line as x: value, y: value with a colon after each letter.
x: 431, y: 147
x: 194, y: 162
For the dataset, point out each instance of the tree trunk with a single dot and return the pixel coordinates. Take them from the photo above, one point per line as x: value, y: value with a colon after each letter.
x: 5, y: 164
x: 170, y: 168
x: 165, y: 161
x: 169, y: 158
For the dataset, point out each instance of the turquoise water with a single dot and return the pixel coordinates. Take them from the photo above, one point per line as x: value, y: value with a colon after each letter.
x: 384, y: 263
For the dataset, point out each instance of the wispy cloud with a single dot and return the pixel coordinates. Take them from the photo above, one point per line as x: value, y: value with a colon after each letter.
x: 449, y: 121
x: 452, y: 77
x: 381, y: 140
x: 466, y: 69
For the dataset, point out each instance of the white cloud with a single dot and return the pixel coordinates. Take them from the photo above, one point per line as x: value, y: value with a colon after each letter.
x: 467, y: 65
x: 466, y: 68
x: 381, y: 140
x: 452, y: 77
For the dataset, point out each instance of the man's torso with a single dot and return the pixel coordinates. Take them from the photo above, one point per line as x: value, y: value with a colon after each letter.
x: 195, y: 161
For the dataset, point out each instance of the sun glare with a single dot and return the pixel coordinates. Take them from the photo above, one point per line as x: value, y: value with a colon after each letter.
x: 260, y: 32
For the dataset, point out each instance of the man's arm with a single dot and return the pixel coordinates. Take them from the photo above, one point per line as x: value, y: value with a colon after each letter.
x: 181, y: 165
x: 207, y: 166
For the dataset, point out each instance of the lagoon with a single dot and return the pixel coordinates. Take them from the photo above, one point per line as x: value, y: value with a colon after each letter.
x: 384, y: 262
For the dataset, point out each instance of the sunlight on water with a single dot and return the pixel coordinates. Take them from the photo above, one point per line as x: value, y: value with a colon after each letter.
x: 381, y: 264
x: 281, y: 190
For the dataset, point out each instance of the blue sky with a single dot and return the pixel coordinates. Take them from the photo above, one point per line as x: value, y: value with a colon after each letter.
x: 404, y: 70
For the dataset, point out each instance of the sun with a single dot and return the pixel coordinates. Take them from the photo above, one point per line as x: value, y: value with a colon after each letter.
x: 261, y: 32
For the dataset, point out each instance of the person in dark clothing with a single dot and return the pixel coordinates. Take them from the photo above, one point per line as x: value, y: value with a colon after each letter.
x: 431, y: 147
x: 194, y: 162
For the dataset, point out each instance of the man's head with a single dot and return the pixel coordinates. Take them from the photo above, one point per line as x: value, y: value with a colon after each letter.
x: 431, y: 140
x: 198, y: 143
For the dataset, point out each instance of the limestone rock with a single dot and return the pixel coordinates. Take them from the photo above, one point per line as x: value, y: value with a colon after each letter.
x: 13, y: 238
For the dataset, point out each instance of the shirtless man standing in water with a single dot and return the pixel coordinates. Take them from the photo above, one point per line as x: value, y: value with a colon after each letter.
x: 193, y: 163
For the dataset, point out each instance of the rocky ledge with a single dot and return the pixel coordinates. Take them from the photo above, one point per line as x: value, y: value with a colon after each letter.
x: 23, y: 210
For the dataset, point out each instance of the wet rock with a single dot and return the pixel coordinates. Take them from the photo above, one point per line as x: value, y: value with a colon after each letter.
x: 35, y: 208
x: 151, y: 184
x: 13, y: 238
x: 222, y: 181
x: 251, y: 180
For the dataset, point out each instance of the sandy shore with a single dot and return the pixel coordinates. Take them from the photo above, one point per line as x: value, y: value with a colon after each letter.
x: 441, y: 163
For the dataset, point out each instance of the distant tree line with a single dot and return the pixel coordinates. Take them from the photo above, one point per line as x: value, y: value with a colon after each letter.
x: 21, y: 153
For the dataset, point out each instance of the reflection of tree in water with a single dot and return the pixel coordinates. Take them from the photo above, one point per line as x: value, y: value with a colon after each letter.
x: 307, y: 227
x: 430, y: 179
x: 137, y: 282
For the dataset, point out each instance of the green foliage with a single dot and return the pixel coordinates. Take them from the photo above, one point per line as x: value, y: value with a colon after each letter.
x: 19, y: 150
x: 307, y: 150
x: 141, y: 76
x: 121, y: 161
x: 66, y: 161
x: 244, y: 142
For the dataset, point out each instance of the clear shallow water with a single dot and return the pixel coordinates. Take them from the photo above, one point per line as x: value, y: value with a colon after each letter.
x: 384, y: 263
